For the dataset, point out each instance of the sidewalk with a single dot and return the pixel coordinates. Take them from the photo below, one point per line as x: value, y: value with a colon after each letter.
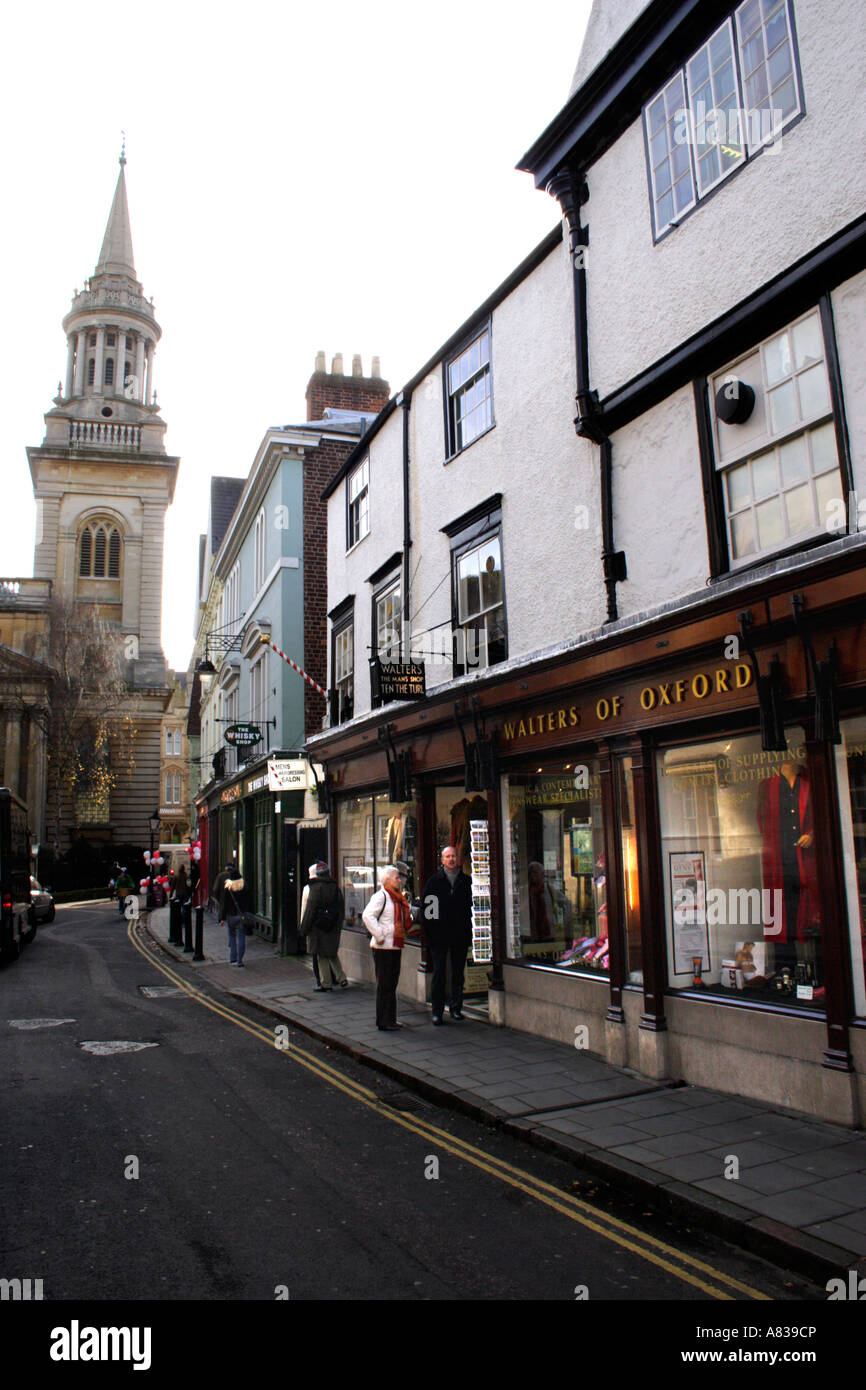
x: 800, y: 1198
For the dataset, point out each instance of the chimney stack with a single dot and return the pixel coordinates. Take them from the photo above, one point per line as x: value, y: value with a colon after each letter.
x: 333, y: 389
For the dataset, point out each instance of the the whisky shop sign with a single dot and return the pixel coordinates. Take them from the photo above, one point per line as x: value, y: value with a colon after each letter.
x: 631, y: 704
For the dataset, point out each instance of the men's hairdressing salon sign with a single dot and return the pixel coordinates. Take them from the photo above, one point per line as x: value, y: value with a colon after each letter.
x: 631, y: 706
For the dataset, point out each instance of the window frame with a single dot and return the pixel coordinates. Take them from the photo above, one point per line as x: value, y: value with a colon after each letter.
x: 342, y: 622
x: 392, y: 586
x: 453, y: 444
x: 714, y: 469
x: 471, y: 532
x: 362, y: 471
x: 259, y: 552
x: 751, y: 148
x: 112, y: 550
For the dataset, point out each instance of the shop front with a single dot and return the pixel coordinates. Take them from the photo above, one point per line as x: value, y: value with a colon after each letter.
x: 674, y: 826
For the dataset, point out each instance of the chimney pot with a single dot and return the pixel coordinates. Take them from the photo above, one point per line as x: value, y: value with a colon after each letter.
x: 337, y: 364
x: 357, y: 369
x: 375, y: 370
x: 320, y: 362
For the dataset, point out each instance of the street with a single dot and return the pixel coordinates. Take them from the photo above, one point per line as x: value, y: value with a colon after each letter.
x: 202, y: 1161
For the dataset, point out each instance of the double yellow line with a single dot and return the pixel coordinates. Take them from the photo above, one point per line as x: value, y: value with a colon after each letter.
x: 686, y: 1267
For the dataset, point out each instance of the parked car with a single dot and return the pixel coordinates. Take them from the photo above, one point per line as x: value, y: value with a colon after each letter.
x: 42, y: 901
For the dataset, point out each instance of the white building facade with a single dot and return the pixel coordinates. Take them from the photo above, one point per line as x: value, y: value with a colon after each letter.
x: 636, y: 474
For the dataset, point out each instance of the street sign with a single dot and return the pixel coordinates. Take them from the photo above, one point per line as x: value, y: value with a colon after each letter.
x: 242, y: 735
x: 288, y: 774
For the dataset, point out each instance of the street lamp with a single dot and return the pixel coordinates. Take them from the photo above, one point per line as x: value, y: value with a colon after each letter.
x: 219, y: 639
x: 154, y: 832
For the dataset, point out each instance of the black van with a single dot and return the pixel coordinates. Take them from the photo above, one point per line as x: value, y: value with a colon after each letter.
x: 17, y: 923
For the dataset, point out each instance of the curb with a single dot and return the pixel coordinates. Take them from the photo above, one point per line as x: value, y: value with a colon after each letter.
x: 774, y: 1241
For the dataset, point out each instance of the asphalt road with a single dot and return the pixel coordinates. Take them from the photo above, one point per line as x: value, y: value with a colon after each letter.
x: 210, y: 1164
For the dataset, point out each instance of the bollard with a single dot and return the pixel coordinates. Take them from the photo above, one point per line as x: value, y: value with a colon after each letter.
x: 174, y: 926
x: 199, y: 934
x: 186, y: 918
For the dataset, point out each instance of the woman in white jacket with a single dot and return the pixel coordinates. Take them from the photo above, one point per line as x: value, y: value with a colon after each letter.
x: 387, y: 918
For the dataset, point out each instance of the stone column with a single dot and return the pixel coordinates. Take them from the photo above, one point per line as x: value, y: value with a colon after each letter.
x: 70, y: 363
x: 100, y: 359
x: 13, y: 749
x: 148, y: 386
x: 138, y: 368
x: 80, y: 360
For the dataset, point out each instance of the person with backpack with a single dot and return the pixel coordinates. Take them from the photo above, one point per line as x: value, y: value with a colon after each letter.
x: 322, y: 912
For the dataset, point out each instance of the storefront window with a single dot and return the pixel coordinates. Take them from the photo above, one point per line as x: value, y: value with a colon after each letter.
x: 397, y: 839
x: 851, y: 775
x: 263, y: 849
x: 555, y: 872
x: 356, y: 870
x: 741, y: 900
x: 630, y: 892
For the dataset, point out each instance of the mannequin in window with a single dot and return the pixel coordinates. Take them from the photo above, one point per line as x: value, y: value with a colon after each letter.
x: 784, y: 814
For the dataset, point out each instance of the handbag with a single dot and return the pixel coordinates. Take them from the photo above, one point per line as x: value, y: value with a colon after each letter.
x: 248, y: 918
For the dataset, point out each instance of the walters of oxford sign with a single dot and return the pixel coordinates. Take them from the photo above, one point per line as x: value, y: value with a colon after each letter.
x: 631, y: 704
x: 242, y: 735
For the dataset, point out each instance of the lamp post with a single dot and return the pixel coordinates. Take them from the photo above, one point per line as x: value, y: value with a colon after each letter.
x: 154, y: 831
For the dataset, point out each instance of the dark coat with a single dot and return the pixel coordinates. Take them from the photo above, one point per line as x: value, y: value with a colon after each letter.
x: 322, y: 940
x: 446, y: 912
x: 234, y: 902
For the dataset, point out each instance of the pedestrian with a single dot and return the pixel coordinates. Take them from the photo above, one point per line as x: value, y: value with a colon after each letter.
x: 311, y: 874
x: 388, y: 919
x: 234, y: 903
x: 447, y: 918
x: 230, y: 871
x: 123, y: 887
x: 322, y: 913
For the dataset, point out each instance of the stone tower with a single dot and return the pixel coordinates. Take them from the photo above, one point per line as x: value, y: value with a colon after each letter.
x: 102, y: 481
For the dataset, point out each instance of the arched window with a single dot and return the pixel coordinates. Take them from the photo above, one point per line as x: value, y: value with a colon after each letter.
x: 99, y: 551
x: 109, y: 371
x: 91, y: 371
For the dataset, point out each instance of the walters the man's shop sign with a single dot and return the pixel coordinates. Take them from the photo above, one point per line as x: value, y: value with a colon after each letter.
x: 631, y: 706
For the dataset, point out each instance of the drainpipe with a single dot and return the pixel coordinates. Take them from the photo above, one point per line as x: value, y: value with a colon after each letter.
x: 570, y: 189
x: 405, y: 401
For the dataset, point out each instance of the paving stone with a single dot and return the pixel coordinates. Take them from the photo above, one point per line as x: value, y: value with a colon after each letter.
x: 829, y: 1163
x: 724, y: 1110
x: 688, y: 1167
x: 855, y: 1219
x: 837, y: 1234
x: 691, y: 1143
x: 639, y: 1153
x: 668, y: 1124
x: 777, y: 1177
x: 851, y: 1189
x: 808, y: 1138
x: 802, y: 1208
x: 606, y: 1137
x: 751, y: 1152
x: 554, y: 1097
x: 738, y: 1131
x: 735, y: 1192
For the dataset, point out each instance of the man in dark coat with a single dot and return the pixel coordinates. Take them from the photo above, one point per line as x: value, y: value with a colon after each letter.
x: 322, y: 914
x: 446, y: 913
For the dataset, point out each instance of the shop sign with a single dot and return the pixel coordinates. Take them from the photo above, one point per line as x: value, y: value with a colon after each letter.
x: 630, y: 705
x: 231, y: 794
x: 287, y: 774
x: 398, y: 680
x: 256, y: 784
x: 242, y: 735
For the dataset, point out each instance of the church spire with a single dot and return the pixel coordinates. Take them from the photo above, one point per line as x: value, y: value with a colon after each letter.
x: 116, y: 258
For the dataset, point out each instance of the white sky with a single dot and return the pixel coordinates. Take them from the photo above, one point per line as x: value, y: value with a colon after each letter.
x: 299, y: 176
